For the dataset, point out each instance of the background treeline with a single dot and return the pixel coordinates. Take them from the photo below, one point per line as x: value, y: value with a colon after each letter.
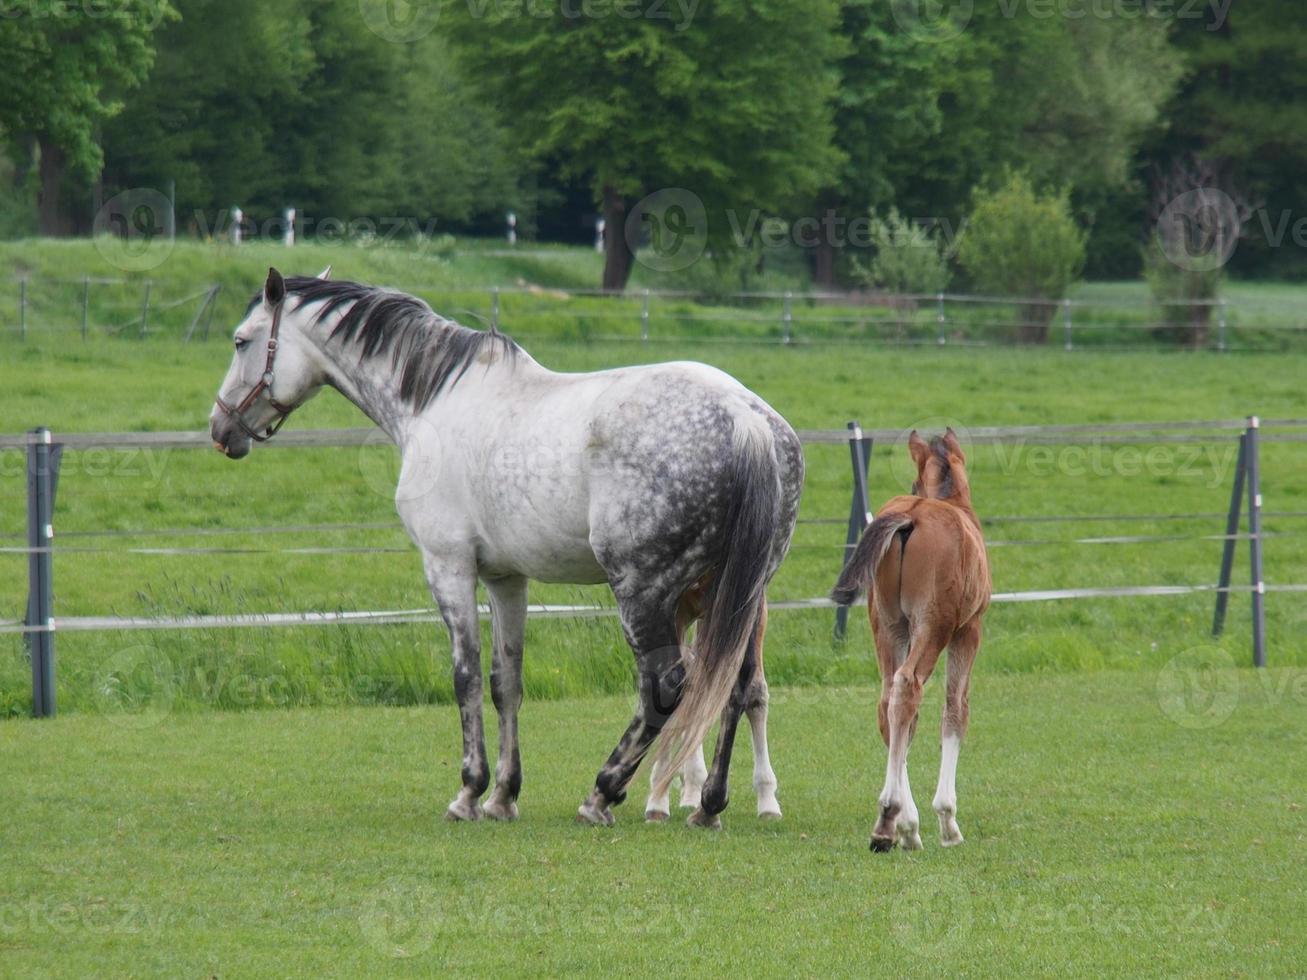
x: 783, y: 109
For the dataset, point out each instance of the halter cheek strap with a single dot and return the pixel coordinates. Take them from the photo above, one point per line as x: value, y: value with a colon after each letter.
x: 237, y: 414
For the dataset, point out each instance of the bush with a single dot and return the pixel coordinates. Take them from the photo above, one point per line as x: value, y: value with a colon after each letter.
x: 1020, y: 243
x: 908, y: 258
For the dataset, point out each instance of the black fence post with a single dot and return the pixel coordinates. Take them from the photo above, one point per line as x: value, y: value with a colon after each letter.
x: 859, y: 509
x: 42, y: 473
x: 1231, y: 538
x: 1255, y: 543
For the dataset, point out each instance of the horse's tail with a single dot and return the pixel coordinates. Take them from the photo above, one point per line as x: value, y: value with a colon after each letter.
x: 860, y: 571
x: 734, y: 599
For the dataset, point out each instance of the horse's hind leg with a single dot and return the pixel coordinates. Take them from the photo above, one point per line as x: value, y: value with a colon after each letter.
x: 508, y: 617
x: 957, y: 712
x: 764, y: 778
x: 652, y: 635
x: 694, y: 772
x: 904, y: 701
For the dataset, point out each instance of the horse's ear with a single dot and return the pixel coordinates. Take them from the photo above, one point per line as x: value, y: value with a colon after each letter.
x: 325, y: 274
x: 274, y: 290
x: 918, y: 448
x: 952, y: 445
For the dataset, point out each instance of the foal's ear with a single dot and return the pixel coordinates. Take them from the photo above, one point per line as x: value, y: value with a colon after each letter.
x: 918, y: 448
x: 952, y: 445
x: 274, y: 290
x: 325, y: 274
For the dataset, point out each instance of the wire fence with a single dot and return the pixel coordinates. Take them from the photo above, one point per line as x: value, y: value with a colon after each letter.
x: 142, y: 307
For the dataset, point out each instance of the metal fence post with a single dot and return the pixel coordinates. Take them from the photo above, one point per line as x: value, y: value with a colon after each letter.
x: 940, y: 319
x: 859, y: 509
x: 1231, y: 532
x: 145, y: 310
x: 1220, y: 326
x: 86, y: 303
x: 22, y: 307
x: 42, y: 470
x: 644, y: 319
x: 787, y: 319
x: 1066, y: 324
x: 1255, y: 544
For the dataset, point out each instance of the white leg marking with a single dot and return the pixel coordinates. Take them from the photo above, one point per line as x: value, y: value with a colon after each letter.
x: 764, y: 779
x: 909, y: 825
x: 657, y: 808
x: 693, y: 775
x: 946, y: 795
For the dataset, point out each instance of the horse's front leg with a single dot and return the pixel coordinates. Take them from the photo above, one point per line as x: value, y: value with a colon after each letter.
x: 453, y: 586
x: 508, y: 614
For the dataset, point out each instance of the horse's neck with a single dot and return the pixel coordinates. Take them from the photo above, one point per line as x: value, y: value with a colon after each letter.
x: 369, y: 382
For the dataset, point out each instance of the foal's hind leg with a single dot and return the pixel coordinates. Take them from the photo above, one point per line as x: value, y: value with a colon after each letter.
x: 957, y: 712
x: 508, y: 616
x: 891, y: 651
x: 904, y: 701
x: 764, y: 778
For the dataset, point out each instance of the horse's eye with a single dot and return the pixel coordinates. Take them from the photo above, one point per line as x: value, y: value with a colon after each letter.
x: 241, y: 343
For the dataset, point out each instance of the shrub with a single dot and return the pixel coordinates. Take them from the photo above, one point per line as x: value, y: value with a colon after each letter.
x: 1021, y: 243
x: 908, y: 258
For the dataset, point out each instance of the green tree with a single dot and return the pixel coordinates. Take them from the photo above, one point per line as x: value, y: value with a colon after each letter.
x: 729, y: 100
x: 65, y: 70
x: 1023, y: 244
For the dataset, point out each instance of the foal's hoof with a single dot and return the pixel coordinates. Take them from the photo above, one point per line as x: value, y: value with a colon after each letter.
x: 699, y: 818
x: 505, y: 812
x: 882, y: 845
x: 588, y: 813
x: 656, y: 816
x: 462, y: 812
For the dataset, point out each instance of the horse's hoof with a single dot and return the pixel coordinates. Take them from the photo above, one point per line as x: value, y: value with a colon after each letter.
x: 910, y: 841
x: 882, y: 845
x: 504, y: 812
x: 701, y: 819
x: 461, y: 812
x: 951, y: 841
x: 656, y: 816
x: 768, y: 816
x: 592, y: 815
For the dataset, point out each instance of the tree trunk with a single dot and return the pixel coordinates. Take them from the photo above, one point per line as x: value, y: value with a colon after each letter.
x: 617, y: 249
x: 51, y: 217
x: 823, y: 264
x: 1035, y: 320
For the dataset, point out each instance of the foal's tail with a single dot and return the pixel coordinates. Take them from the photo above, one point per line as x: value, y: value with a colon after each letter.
x: 860, y: 572
x: 734, y: 599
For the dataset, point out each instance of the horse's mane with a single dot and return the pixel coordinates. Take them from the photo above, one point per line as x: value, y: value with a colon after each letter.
x: 429, y: 352
x: 940, y: 452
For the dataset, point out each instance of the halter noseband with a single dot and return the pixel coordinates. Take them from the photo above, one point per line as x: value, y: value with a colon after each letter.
x: 237, y: 414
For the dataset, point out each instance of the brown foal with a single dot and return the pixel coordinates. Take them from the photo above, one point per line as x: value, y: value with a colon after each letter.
x: 923, y: 558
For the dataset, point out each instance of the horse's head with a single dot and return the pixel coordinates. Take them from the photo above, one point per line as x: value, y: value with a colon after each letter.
x: 273, y: 372
x: 941, y: 466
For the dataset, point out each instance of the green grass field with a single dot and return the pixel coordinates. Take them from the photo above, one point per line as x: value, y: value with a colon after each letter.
x: 1132, y: 801
x: 1107, y: 835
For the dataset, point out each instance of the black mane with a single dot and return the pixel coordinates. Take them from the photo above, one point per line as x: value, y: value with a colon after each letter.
x: 429, y: 352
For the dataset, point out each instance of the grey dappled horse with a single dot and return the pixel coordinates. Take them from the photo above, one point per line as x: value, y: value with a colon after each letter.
x: 673, y: 483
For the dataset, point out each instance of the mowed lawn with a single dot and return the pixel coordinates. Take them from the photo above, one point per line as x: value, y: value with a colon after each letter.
x: 1143, y: 823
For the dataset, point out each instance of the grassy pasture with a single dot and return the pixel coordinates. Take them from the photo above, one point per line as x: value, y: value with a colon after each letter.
x: 179, y: 498
x: 1116, y: 825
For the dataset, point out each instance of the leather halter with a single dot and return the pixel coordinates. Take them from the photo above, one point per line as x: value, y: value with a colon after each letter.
x: 237, y: 414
